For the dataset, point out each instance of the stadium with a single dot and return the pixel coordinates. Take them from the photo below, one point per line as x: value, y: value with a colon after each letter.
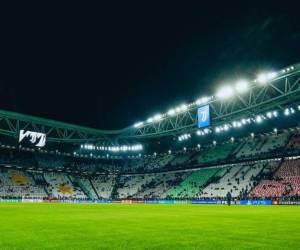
x: 210, y: 160
x: 250, y: 142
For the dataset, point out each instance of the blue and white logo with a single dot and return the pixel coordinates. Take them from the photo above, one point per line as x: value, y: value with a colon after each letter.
x: 203, y: 116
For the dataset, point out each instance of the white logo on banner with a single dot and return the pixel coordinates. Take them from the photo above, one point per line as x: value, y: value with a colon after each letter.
x: 39, y: 139
x: 203, y: 115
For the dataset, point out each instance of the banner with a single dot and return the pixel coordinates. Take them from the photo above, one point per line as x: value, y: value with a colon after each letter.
x: 38, y: 139
x: 10, y: 200
x: 151, y: 201
x: 207, y: 202
x: 256, y: 202
x: 182, y: 202
x: 30, y: 200
x: 203, y: 116
x: 288, y: 202
x: 166, y: 202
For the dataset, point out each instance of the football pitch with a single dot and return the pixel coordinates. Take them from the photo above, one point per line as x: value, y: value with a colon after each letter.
x: 120, y: 226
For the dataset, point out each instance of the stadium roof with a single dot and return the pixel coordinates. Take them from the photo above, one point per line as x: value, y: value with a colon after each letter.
x: 269, y: 91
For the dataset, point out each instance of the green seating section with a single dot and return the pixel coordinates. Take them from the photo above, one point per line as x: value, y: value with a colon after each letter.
x: 191, y: 186
x: 216, y: 153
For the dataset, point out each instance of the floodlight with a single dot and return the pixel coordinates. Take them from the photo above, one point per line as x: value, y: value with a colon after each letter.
x: 150, y: 120
x: 157, y: 117
x: 206, y: 130
x: 262, y: 78
x: 265, y: 77
x: 202, y: 100
x: 272, y: 75
x: 198, y: 101
x: 242, y: 86
x: 258, y: 119
x: 205, y: 99
x: 183, y: 107
x: 286, y: 111
x: 269, y: 114
x: 225, y: 92
x: 171, y: 112
x: 138, y: 124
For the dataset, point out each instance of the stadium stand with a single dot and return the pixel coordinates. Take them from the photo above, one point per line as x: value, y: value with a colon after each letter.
x: 103, y: 185
x: 216, y: 153
x: 88, y: 185
x: 181, y: 175
x: 261, y: 145
x: 159, y: 184
x: 285, y: 182
x: 15, y: 183
x: 237, y: 180
x: 191, y: 185
x: 132, y: 184
x: 180, y: 159
x: 60, y: 186
x: 148, y: 163
x: 294, y: 142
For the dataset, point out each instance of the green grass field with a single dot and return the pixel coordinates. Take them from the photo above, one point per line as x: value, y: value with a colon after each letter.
x: 117, y: 226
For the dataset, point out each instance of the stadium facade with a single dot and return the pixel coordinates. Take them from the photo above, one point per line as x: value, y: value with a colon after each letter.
x: 245, y: 140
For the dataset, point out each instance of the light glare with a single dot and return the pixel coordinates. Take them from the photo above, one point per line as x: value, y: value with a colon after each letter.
x: 242, y: 86
x: 225, y: 92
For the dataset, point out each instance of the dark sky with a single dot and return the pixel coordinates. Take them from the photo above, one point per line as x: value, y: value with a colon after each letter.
x: 110, y: 66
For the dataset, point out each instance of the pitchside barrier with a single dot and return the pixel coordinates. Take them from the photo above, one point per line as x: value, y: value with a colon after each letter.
x: 255, y: 202
x: 265, y: 202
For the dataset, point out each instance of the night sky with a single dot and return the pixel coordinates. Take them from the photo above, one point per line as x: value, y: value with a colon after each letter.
x: 110, y: 66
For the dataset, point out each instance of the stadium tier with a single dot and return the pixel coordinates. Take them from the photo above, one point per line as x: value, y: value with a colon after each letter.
x: 191, y: 185
x: 257, y: 167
